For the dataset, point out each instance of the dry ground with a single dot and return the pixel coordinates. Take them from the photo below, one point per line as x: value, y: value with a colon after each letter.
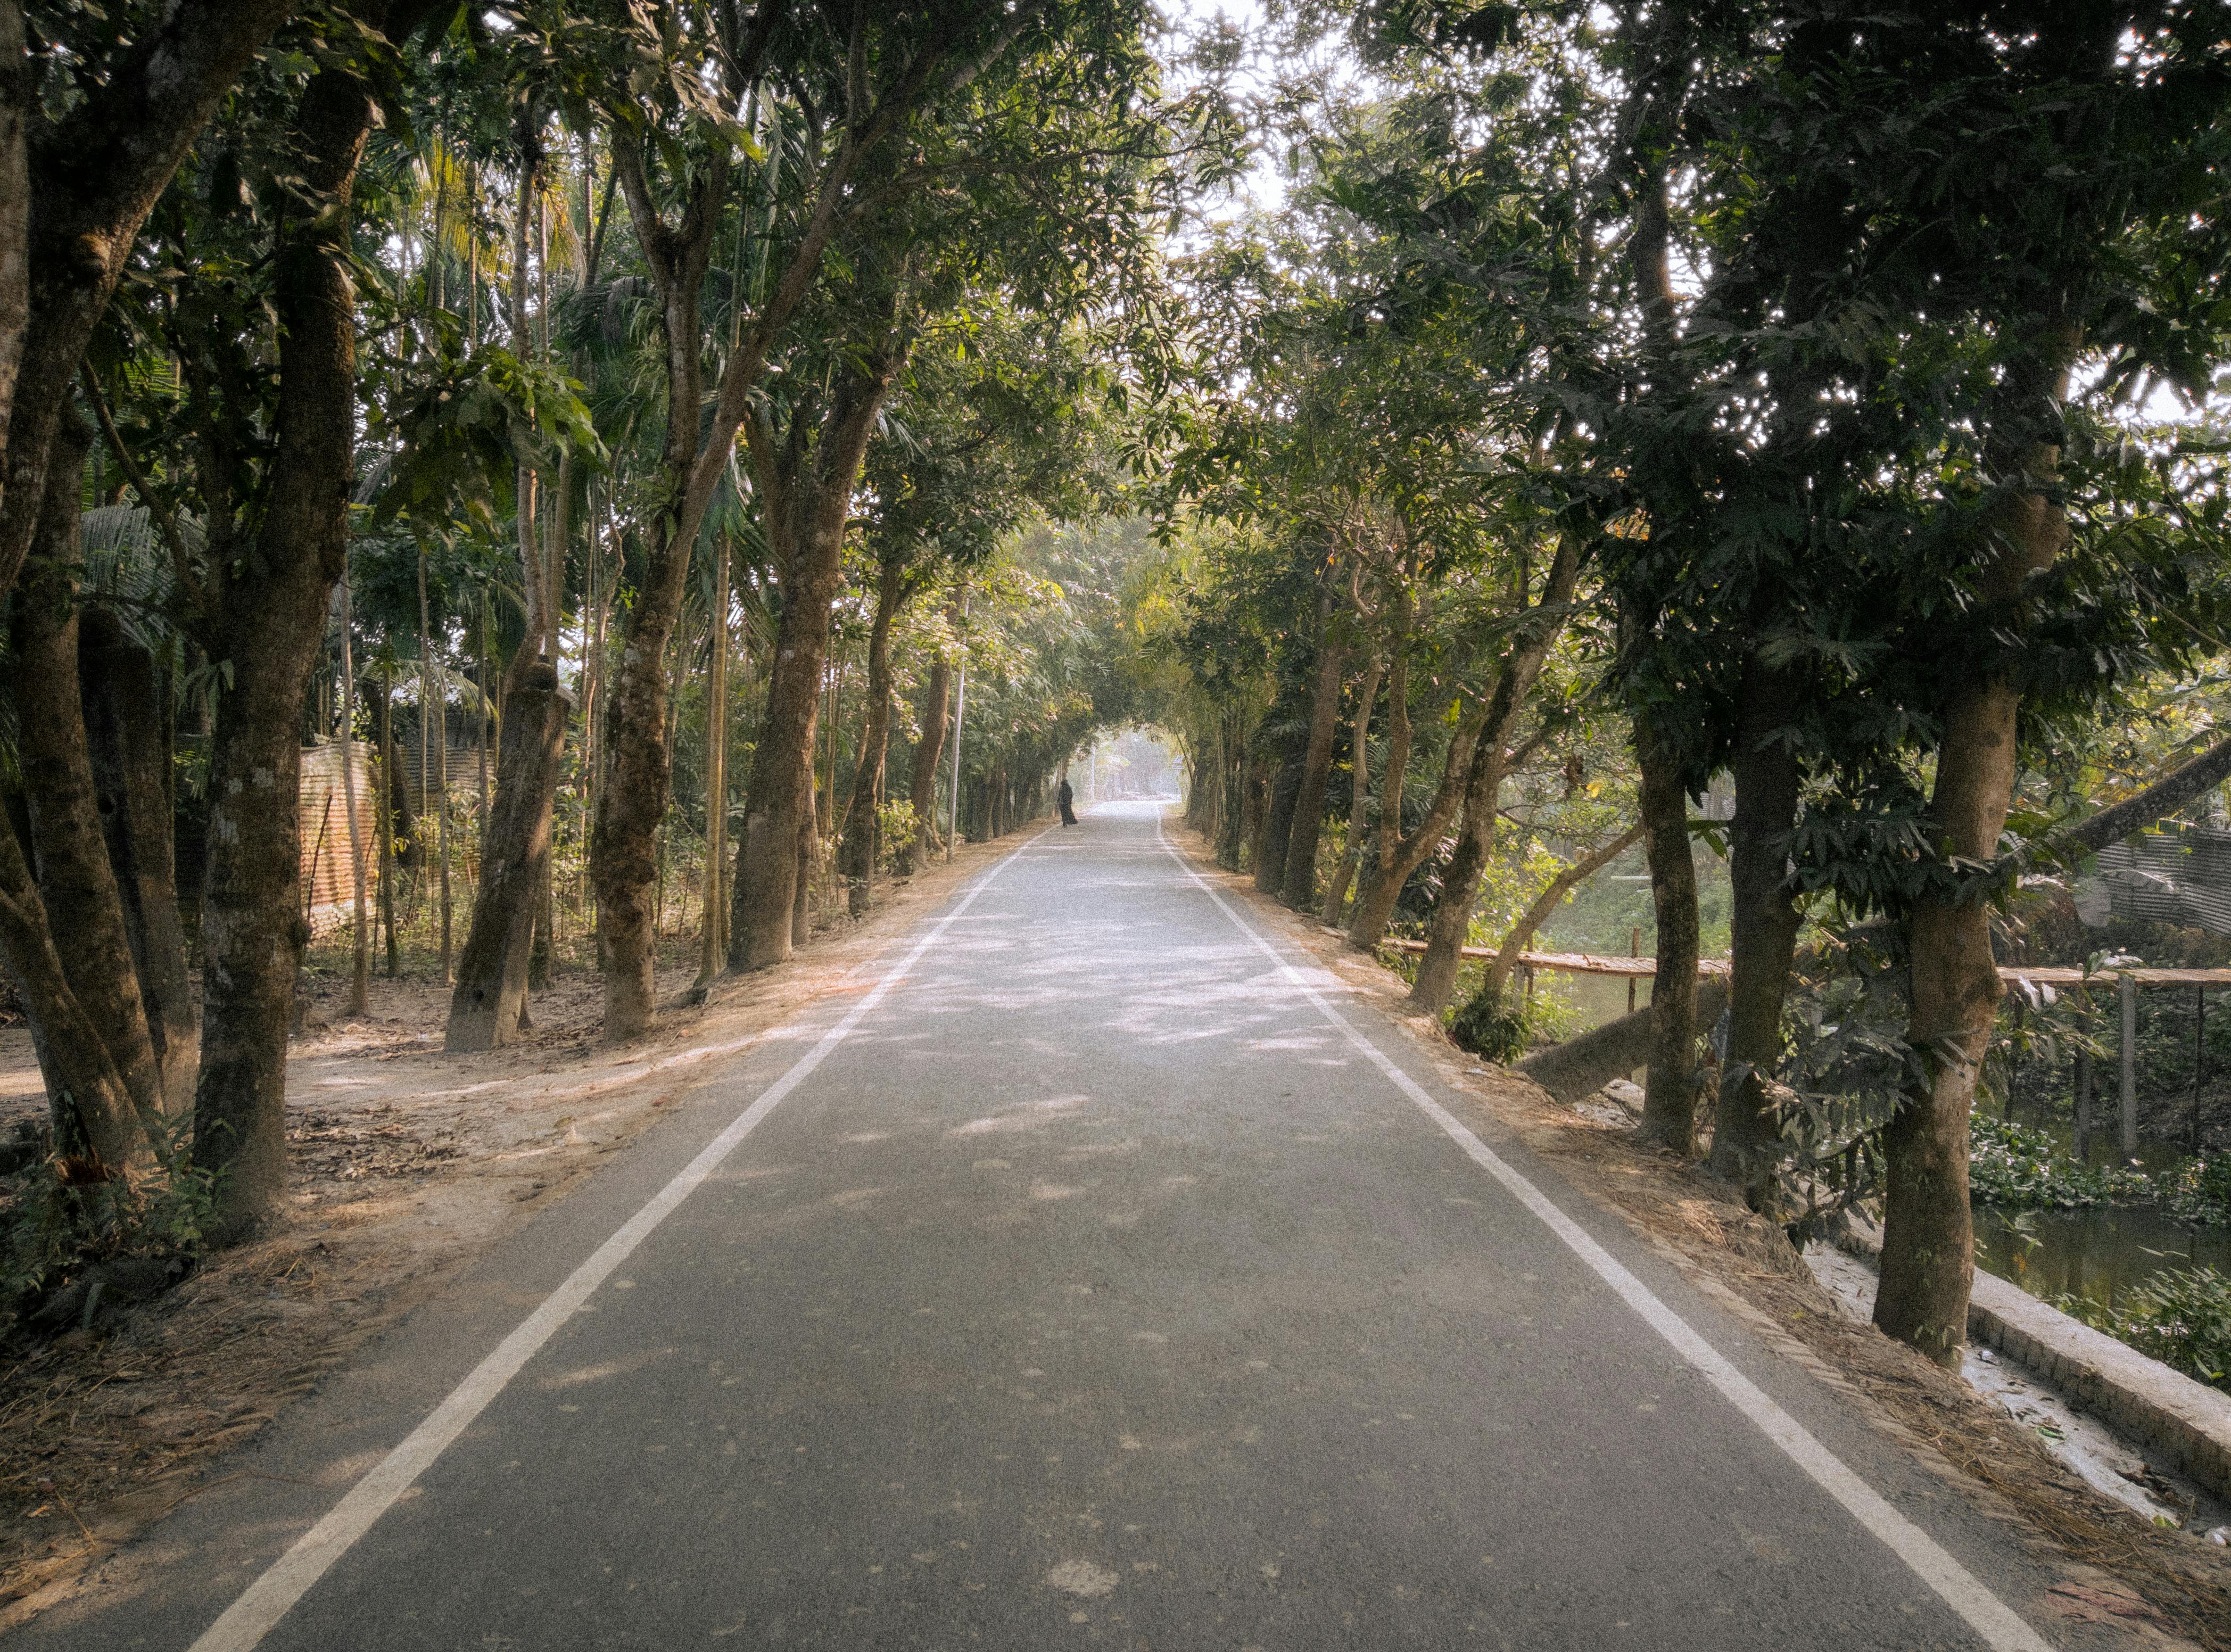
x: 407, y: 1163
x: 2167, y: 1588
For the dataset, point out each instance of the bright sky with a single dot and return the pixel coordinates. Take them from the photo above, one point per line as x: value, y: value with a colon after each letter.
x: 1191, y: 18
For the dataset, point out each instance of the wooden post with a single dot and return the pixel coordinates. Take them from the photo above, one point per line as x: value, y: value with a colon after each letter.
x: 2199, y: 1057
x: 960, y: 709
x: 716, y: 779
x: 1633, y: 950
x: 2128, y: 989
x: 2084, y: 1086
x: 317, y: 849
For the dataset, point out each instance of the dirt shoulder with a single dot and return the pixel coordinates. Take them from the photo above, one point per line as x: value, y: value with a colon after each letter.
x: 2161, y: 1588
x: 407, y: 1163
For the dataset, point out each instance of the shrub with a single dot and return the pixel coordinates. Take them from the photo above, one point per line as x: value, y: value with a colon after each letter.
x: 1504, y: 1027
x: 54, y: 1231
x: 2181, y: 1317
x: 1493, y: 1025
x: 2023, y: 1169
x: 2198, y: 1191
x: 896, y: 827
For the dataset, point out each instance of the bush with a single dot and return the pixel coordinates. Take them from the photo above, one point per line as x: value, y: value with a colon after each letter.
x: 1491, y: 1025
x: 2181, y: 1317
x: 54, y: 1232
x: 2198, y: 1191
x: 1502, y: 1027
x: 2023, y: 1169
x: 896, y: 827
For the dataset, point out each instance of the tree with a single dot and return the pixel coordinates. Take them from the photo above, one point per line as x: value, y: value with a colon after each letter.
x: 995, y: 417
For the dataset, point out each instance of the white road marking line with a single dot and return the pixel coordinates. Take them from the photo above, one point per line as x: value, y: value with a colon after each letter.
x: 1984, y: 1612
x: 257, y: 1612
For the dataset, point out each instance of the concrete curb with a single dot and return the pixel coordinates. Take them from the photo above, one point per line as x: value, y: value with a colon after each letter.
x: 2187, y: 1421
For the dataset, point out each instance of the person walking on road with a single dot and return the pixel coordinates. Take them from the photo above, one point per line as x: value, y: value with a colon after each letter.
x: 1067, y: 800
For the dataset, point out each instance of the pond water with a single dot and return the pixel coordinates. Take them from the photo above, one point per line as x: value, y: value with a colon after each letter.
x: 1599, y: 997
x: 2100, y: 1253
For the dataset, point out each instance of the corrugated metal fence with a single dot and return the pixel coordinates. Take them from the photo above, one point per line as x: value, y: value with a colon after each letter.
x: 328, y: 891
x: 2182, y: 877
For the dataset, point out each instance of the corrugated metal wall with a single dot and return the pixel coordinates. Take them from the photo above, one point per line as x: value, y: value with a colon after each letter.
x: 328, y: 891
x: 464, y: 769
x: 2182, y: 877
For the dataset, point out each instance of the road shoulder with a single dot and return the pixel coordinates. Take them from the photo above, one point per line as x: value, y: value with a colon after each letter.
x: 408, y: 1165
x: 2117, y: 1576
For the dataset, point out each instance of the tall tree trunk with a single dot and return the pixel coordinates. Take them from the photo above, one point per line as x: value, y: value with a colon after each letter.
x: 1256, y: 813
x: 1235, y: 813
x: 1399, y: 854
x: 1359, y: 801
x: 1450, y: 924
x: 776, y: 850
x: 271, y: 624
x: 527, y: 493
x: 91, y: 1108
x: 809, y: 862
x: 77, y: 199
x: 806, y: 497
x: 486, y: 981
x: 1763, y: 922
x: 1278, y: 819
x: 77, y: 879
x: 713, y: 949
x: 491, y: 1000
x: 1394, y: 778
x: 1522, y: 665
x: 921, y: 789
x: 433, y: 789
x: 491, y: 711
x: 386, y: 825
x: 832, y: 727
x: 546, y: 906
x: 16, y: 113
x: 1300, y: 869
x: 592, y: 650
x: 623, y: 844
x: 360, y: 930
x: 128, y: 731
x: 1928, y: 1259
x: 1669, y: 1103
x: 859, y: 844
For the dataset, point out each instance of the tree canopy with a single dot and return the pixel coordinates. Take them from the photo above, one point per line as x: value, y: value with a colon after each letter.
x: 705, y: 455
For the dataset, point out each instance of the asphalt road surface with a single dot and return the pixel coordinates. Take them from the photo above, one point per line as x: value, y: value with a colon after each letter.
x: 1093, y: 1274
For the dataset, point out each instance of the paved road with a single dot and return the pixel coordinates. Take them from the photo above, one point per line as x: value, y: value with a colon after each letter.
x: 1095, y: 1288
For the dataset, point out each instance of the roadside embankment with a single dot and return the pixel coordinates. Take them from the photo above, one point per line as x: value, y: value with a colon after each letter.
x: 2187, y: 1421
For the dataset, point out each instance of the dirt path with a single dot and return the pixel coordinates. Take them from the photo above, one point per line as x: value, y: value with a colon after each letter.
x: 407, y: 1163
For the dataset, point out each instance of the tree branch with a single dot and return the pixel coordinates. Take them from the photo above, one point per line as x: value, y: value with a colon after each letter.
x: 157, y: 511
x: 1506, y: 956
x: 2143, y: 807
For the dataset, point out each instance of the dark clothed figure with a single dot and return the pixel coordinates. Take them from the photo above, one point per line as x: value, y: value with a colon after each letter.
x: 1067, y: 800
